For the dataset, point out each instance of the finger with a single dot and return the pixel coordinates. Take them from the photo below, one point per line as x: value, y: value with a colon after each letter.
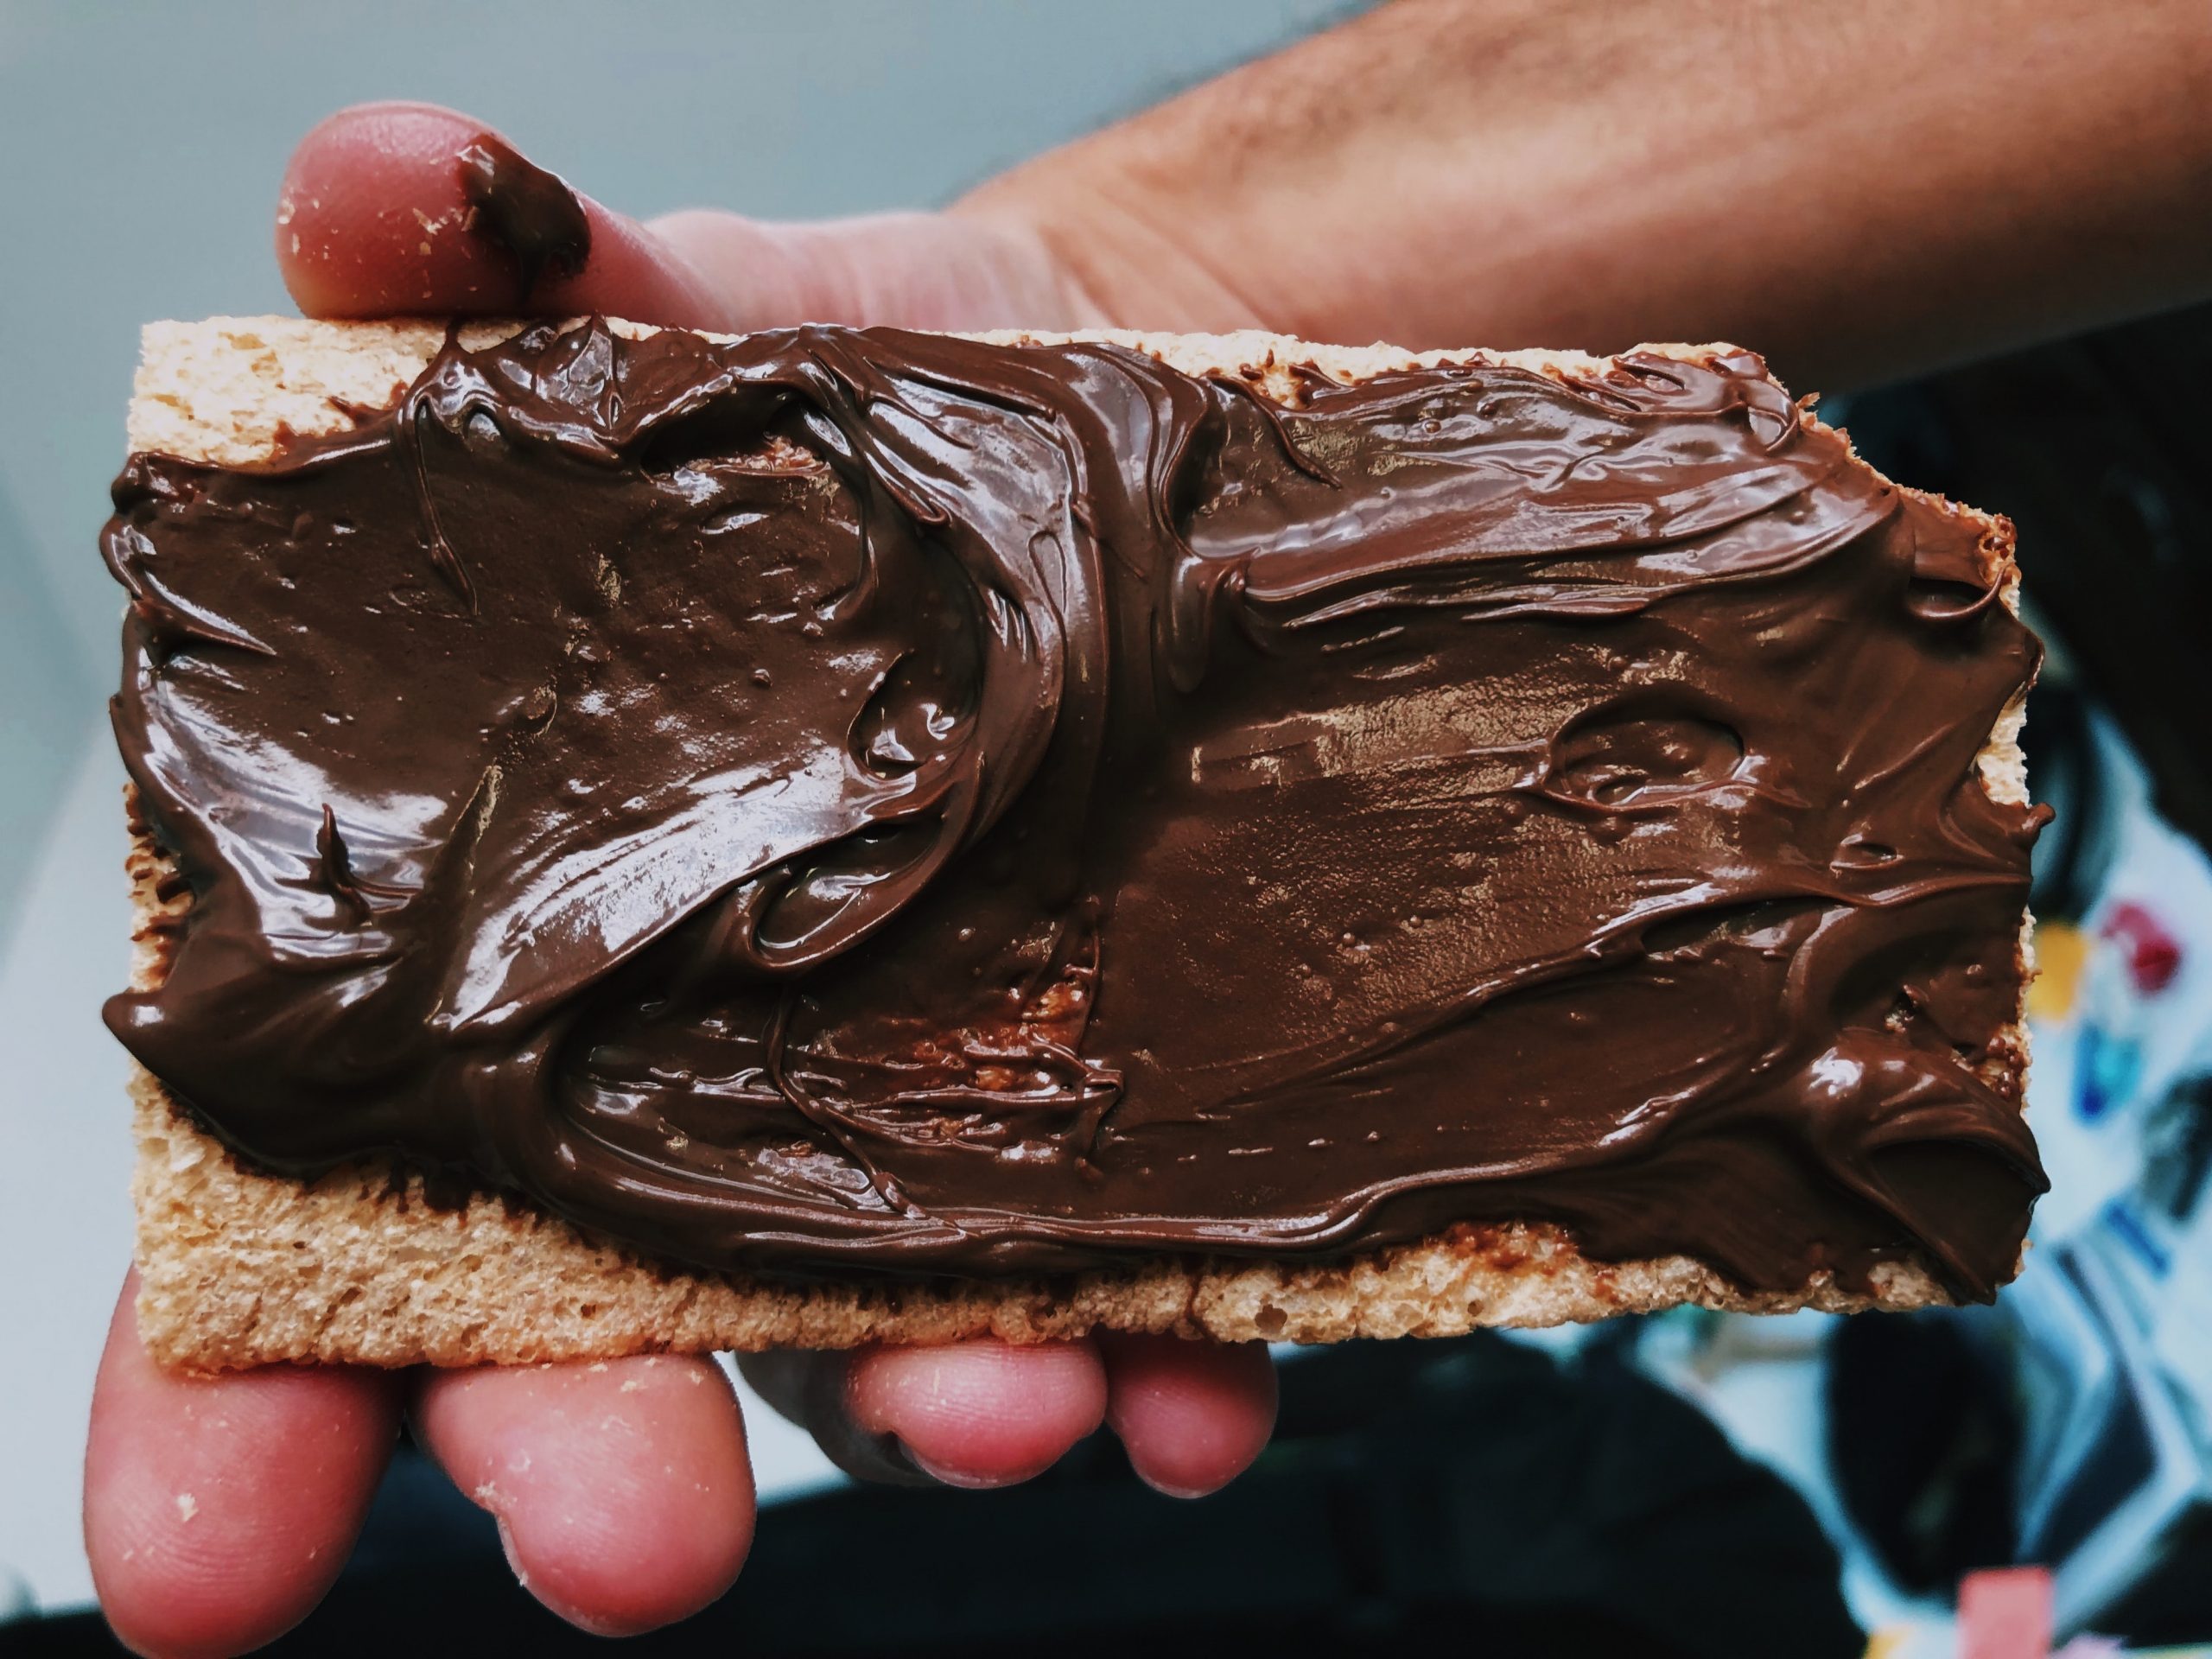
x: 621, y: 1488
x: 972, y: 1414
x: 374, y: 219
x: 907, y: 270
x: 217, y: 1510
x: 1192, y: 1415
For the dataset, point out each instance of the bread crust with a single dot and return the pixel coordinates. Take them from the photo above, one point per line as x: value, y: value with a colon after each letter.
x: 241, y: 1266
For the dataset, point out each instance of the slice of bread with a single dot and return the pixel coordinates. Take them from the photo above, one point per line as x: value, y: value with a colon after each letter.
x: 238, y: 1267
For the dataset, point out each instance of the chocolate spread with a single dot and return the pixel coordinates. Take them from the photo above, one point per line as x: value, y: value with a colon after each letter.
x: 526, y: 213
x: 841, y: 801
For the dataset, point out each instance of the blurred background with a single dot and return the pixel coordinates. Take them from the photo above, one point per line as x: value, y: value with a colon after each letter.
x: 1687, y: 1485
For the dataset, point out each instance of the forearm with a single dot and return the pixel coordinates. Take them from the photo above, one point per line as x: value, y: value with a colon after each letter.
x: 1859, y: 191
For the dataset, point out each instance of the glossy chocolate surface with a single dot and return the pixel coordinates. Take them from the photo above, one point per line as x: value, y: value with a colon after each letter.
x: 841, y: 801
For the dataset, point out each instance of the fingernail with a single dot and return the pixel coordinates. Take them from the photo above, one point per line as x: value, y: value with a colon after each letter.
x: 1185, y: 1493
x: 508, y: 1549
x: 585, y: 1622
x: 882, y: 1458
x: 965, y: 1479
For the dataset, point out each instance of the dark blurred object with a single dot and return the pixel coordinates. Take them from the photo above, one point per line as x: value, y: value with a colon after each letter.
x: 1472, y: 1491
x: 2069, y: 771
x: 1923, y: 1436
x: 2099, y: 451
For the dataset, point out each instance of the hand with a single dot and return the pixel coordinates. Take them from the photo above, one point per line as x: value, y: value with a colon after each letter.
x: 219, y: 1510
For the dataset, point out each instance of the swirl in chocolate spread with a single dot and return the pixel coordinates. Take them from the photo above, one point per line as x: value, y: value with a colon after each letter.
x: 521, y: 209
x: 844, y: 800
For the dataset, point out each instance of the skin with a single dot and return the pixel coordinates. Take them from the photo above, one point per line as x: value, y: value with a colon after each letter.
x: 1859, y: 191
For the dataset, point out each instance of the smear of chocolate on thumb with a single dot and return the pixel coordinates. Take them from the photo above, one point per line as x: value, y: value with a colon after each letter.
x: 527, y: 212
